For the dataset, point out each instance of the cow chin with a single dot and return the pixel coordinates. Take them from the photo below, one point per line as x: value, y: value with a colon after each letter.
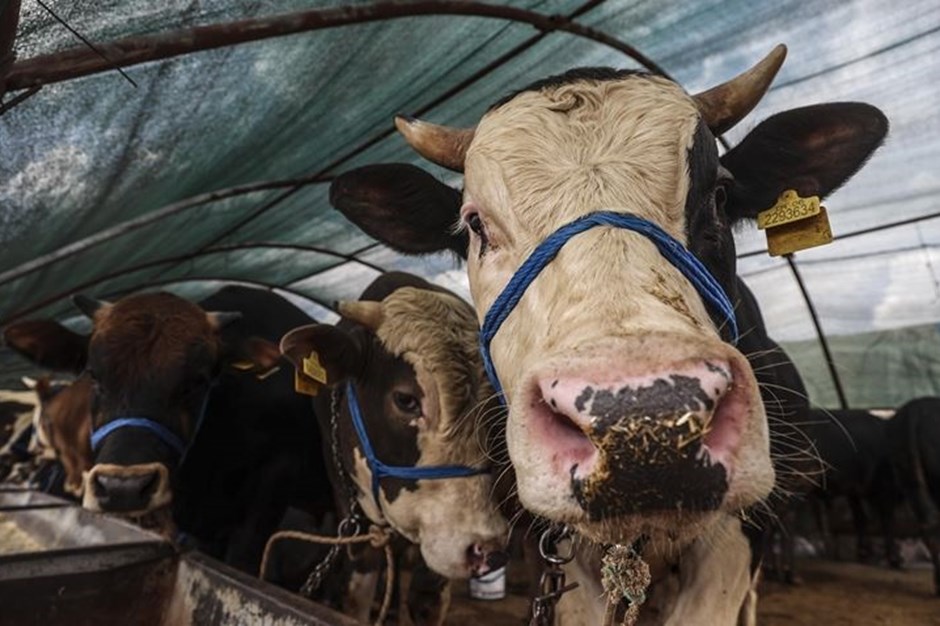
x: 619, y: 449
x: 128, y: 490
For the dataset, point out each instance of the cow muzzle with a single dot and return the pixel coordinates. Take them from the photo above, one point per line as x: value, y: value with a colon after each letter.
x: 640, y: 444
x: 127, y: 489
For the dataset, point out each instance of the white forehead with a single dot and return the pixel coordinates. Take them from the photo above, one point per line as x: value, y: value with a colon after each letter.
x: 585, y: 145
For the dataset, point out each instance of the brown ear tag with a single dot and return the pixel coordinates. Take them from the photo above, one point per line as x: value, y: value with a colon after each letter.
x: 304, y: 385
x: 794, y: 223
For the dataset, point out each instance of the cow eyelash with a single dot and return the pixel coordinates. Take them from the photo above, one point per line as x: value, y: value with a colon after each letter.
x: 474, y: 223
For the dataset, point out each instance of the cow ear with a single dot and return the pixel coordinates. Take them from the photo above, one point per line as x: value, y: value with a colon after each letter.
x: 812, y: 150
x: 402, y: 206
x: 220, y: 319
x: 89, y: 306
x: 337, y: 351
x: 48, y: 344
x: 255, y: 354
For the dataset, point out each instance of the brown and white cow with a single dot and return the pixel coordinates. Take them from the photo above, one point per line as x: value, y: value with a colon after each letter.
x: 409, y: 350
x: 225, y: 446
x: 610, y: 348
x: 62, y: 427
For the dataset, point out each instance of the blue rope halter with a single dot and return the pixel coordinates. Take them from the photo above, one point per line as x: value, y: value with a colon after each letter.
x: 674, y: 252
x: 163, y: 433
x: 380, y: 470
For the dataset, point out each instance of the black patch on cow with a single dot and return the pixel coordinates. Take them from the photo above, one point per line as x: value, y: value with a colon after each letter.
x: 591, y: 74
x: 647, y: 462
x: 394, y: 442
x: 708, y: 229
x: 675, y: 396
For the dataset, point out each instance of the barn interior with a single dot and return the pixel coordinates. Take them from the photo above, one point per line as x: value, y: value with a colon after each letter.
x: 187, y: 145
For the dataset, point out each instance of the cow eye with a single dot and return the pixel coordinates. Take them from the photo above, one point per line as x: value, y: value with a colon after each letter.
x: 475, y: 224
x: 721, y: 196
x: 406, y: 402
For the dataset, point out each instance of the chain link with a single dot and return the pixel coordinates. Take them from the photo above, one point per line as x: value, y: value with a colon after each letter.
x: 349, y: 525
x: 552, y: 584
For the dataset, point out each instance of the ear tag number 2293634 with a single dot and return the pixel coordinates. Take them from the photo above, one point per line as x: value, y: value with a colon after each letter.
x: 794, y: 223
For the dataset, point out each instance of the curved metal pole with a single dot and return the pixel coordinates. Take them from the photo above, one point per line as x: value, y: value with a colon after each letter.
x: 123, y: 228
x: 830, y: 363
x: 254, y: 283
x: 77, y: 62
x: 182, y: 258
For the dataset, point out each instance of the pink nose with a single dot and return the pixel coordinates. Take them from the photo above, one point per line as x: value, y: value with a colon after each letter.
x: 635, y: 443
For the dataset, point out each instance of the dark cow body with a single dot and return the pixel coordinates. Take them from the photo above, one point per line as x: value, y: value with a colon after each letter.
x: 254, y: 451
x: 787, y: 407
x: 913, y: 440
x: 851, y: 446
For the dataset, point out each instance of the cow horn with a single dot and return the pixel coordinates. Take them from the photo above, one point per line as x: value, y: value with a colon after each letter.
x: 369, y: 314
x: 725, y: 105
x: 220, y: 319
x: 89, y: 306
x: 439, y: 144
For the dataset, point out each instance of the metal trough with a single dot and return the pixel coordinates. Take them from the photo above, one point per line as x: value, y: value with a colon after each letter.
x: 62, y: 565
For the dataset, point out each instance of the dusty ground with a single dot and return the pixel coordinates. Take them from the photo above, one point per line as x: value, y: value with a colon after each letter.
x: 832, y: 594
x: 843, y: 594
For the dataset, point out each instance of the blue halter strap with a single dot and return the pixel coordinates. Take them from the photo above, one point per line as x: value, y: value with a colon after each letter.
x: 674, y: 252
x: 380, y: 470
x: 163, y: 433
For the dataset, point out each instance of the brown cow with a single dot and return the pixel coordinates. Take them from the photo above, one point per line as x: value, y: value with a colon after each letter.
x: 630, y: 412
x: 62, y: 427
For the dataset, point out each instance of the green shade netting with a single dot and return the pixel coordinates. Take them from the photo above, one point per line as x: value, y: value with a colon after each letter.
x: 103, y: 186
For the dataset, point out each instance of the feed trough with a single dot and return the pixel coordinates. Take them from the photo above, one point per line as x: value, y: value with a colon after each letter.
x: 60, y: 564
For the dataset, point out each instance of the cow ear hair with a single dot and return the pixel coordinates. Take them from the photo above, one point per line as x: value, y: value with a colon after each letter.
x: 337, y: 351
x: 48, y: 344
x: 402, y: 206
x: 812, y: 150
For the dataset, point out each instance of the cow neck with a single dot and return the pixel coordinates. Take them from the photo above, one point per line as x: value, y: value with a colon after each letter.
x: 380, y: 470
x: 669, y: 247
x: 164, y: 434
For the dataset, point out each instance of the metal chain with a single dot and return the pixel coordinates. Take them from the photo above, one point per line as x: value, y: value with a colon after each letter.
x: 552, y: 584
x: 337, y: 460
x: 348, y: 527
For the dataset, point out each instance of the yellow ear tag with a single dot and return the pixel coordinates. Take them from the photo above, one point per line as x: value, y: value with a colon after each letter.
x: 794, y: 223
x: 242, y: 366
x: 313, y: 369
x: 304, y: 385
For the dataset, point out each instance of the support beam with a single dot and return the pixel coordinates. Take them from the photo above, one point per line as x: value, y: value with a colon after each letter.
x: 82, y: 61
x: 174, y: 260
x: 9, y: 20
x: 830, y: 363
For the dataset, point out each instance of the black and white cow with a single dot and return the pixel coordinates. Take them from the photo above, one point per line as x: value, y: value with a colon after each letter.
x: 630, y: 413
x: 408, y: 352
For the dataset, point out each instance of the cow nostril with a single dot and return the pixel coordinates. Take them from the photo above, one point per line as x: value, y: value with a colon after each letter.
x: 148, y: 484
x: 125, y: 492
x: 497, y: 559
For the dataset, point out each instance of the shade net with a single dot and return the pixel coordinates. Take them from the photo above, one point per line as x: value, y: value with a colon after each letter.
x: 215, y: 167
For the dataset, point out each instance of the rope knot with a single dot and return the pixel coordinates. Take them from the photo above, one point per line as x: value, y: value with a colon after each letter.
x: 379, y: 536
x: 624, y: 576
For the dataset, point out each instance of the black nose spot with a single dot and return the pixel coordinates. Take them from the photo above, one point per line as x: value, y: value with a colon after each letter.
x: 131, y: 492
x: 497, y: 559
